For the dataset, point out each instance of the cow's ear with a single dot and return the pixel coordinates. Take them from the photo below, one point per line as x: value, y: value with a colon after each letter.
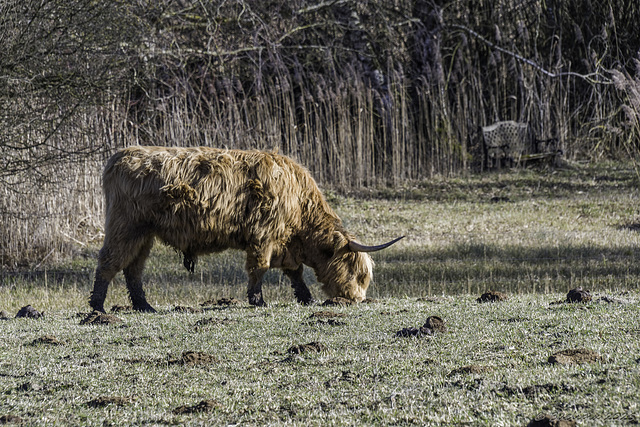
x: 339, y: 240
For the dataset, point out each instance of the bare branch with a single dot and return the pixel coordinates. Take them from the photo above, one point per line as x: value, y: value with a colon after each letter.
x: 599, y: 78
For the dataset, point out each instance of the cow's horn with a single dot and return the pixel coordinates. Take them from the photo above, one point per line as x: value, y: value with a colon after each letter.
x: 358, y: 247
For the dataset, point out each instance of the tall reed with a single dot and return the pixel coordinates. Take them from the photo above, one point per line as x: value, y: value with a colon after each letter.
x: 363, y: 94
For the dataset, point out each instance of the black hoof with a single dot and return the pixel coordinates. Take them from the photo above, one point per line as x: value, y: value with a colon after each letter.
x: 305, y: 298
x: 97, y: 307
x: 257, y: 300
x: 145, y: 308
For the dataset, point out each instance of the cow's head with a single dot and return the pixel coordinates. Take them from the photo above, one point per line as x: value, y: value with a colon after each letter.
x: 349, y: 268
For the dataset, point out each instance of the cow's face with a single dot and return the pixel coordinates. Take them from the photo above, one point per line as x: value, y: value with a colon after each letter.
x: 355, y: 275
x: 348, y: 273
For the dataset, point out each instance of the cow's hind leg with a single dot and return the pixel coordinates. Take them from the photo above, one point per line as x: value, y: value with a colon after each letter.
x: 133, y: 277
x: 111, y: 259
x: 300, y: 289
x: 116, y: 255
x: 105, y: 271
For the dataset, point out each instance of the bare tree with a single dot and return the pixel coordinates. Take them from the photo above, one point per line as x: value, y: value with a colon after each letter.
x: 61, y: 62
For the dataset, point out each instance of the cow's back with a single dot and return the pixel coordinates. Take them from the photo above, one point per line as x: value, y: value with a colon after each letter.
x: 206, y: 199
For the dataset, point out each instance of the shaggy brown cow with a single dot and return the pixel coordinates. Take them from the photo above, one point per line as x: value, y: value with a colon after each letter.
x: 203, y: 200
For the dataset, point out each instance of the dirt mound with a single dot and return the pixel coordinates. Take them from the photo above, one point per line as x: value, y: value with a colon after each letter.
x: 135, y: 360
x: 46, y: 339
x: 346, y: 376
x: 98, y: 318
x: 109, y: 400
x: 326, y: 315
x: 394, y: 313
x: 339, y: 301
x: 30, y: 312
x: 307, y: 348
x: 330, y: 322
x: 10, y: 419
x: 544, y: 420
x: 471, y: 369
x: 193, y: 358
x: 578, y: 295
x: 575, y: 356
x: 432, y: 325
x: 121, y: 308
x: 30, y: 386
x: 414, y: 332
x: 492, y: 296
x: 536, y: 389
x: 610, y: 300
x: 221, y: 302
x: 212, y: 321
x: 204, y: 406
x: 185, y: 309
x: 435, y: 300
x: 435, y: 323
x: 327, y: 318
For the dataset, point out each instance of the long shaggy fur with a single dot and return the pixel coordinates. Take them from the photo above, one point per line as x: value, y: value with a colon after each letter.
x: 203, y: 200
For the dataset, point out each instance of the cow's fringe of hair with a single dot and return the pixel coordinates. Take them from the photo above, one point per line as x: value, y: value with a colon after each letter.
x: 362, y: 270
x: 224, y: 192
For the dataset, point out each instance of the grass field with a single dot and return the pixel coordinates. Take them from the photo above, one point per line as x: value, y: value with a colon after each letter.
x: 490, y: 367
x: 533, y: 235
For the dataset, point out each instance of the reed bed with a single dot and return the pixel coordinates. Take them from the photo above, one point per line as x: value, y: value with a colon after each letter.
x: 365, y: 95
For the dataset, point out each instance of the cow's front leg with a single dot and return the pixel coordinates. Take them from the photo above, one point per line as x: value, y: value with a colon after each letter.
x: 256, y: 267
x: 300, y: 289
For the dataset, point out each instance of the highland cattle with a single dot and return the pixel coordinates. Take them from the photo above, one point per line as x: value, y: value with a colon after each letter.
x: 202, y: 200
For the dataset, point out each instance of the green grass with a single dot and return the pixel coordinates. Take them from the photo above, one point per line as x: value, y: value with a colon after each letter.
x: 366, y: 375
x: 549, y: 232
